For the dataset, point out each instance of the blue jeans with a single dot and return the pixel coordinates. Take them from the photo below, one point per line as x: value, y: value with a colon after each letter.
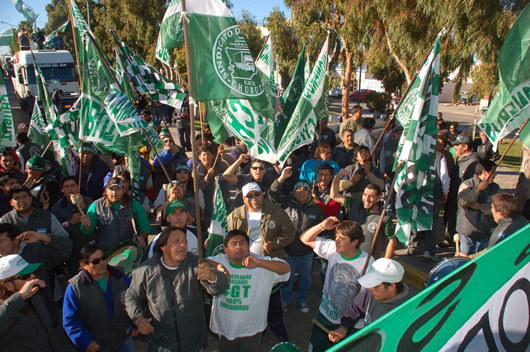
x: 127, y: 346
x: 469, y: 246
x: 305, y: 266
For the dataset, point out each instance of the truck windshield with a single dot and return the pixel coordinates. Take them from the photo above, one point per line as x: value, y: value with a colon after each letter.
x: 54, y: 73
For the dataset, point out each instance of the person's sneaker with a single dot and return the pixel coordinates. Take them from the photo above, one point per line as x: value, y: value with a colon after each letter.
x: 428, y: 255
x: 304, y: 308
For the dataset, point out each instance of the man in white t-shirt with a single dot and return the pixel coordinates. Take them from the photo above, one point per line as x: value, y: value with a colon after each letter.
x: 177, y: 215
x: 240, y: 315
x: 345, y: 265
x: 270, y: 230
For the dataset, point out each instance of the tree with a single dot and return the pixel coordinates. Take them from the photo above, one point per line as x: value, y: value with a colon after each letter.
x: 286, y: 48
x: 250, y: 31
x: 347, y: 21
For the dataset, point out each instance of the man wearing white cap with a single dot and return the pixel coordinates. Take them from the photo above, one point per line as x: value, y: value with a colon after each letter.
x: 270, y: 230
x: 385, y: 292
x: 25, y: 323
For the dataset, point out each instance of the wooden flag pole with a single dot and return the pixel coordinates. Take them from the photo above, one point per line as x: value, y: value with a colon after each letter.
x: 46, y: 149
x: 193, y: 106
x: 80, y: 167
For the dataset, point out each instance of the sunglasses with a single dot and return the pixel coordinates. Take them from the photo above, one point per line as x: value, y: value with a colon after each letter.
x: 97, y: 261
x: 252, y: 195
x: 182, y: 172
x: 261, y: 168
x: 167, y: 141
x: 21, y: 277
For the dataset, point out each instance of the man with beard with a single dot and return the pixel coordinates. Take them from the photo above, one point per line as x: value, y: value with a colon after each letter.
x: 346, y: 262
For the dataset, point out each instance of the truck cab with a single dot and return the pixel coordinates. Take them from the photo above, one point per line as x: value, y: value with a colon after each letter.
x: 58, y: 68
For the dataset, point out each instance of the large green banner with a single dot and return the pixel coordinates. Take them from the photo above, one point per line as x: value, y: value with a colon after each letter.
x: 482, y: 306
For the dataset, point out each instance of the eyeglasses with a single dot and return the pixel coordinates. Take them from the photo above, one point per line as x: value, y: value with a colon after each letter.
x: 168, y: 141
x: 261, y: 168
x: 252, y: 195
x: 20, y: 277
x: 97, y: 261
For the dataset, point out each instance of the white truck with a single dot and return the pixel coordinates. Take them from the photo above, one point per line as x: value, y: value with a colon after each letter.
x: 58, y: 68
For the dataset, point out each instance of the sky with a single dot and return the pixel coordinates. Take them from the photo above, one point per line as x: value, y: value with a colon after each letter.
x: 259, y: 8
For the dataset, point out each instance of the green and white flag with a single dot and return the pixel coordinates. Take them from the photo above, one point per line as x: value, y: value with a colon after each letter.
x: 25, y: 10
x: 510, y: 108
x: 48, y: 43
x: 146, y: 79
x: 236, y: 117
x: 49, y: 107
x: 218, y: 227
x: 301, y: 127
x: 291, y: 96
x: 240, y: 118
x: 7, y: 37
x: 7, y: 129
x: 221, y: 64
x: 417, y: 150
x: 37, y: 127
x: 171, y: 33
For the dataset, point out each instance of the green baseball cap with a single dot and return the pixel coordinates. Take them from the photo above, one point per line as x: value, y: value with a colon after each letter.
x: 171, y: 207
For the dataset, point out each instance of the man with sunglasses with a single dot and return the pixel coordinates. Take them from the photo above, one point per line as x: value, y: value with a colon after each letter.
x: 257, y: 174
x: 270, y: 230
x: 25, y: 324
x: 87, y: 323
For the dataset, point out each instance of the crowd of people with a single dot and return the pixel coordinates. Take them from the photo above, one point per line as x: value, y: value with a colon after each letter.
x: 324, y: 206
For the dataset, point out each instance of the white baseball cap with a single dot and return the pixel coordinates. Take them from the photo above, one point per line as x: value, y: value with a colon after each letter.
x: 251, y: 186
x: 14, y: 264
x: 382, y: 270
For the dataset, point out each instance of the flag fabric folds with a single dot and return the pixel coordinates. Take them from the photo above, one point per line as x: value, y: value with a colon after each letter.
x: 146, y: 79
x: 25, y: 10
x: 218, y: 227
x: 291, y: 96
x: 311, y: 106
x: 7, y: 37
x: 171, y: 33
x: 37, y: 127
x: 7, y: 129
x: 417, y: 150
x: 510, y: 108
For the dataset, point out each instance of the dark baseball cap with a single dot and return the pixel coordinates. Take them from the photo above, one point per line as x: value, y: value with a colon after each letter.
x: 115, y: 181
x: 462, y: 139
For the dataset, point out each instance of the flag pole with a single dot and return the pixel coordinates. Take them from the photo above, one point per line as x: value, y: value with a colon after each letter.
x: 380, y: 224
x: 392, y: 117
x: 193, y: 134
x: 48, y: 146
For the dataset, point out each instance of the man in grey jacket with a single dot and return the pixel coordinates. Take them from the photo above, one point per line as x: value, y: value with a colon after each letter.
x: 475, y: 221
x: 165, y: 297
x: 385, y: 292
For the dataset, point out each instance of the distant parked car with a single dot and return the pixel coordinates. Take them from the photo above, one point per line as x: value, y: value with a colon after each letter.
x: 336, y: 93
x: 355, y: 95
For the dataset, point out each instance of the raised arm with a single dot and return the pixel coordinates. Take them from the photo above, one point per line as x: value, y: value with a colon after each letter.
x: 309, y: 237
x: 230, y: 174
x: 334, y: 191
